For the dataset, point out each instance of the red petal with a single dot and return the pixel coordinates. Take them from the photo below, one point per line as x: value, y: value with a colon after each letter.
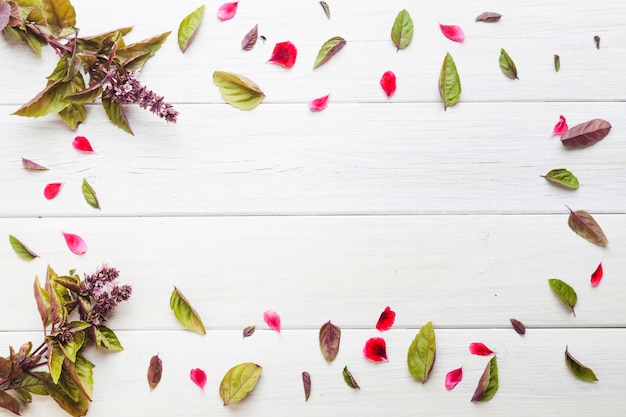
x: 452, y: 32
x: 388, y: 83
x: 560, y: 127
x: 82, y: 144
x: 453, y: 378
x: 51, y: 190
x: 284, y: 54
x: 319, y: 104
x: 272, y: 319
x: 479, y: 349
x: 75, y: 243
x: 386, y: 319
x: 198, y: 376
x: 227, y: 11
x: 597, y: 275
x: 375, y: 349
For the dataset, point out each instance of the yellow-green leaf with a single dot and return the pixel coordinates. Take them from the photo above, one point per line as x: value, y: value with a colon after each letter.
x: 71, y: 348
x: 116, y: 115
x: 507, y: 65
x: 55, y: 360
x: 90, y: 194
x: 422, y: 353
x: 21, y: 249
x: 402, y: 30
x: 237, y: 90
x: 449, y: 82
x: 59, y: 15
x: 189, y: 27
x: 488, y: 382
x: 328, y: 50
x: 562, y: 177
x: 49, y: 100
x: 185, y: 313
x: 107, y: 338
x: 239, y: 381
x: 581, y: 371
x: 565, y: 293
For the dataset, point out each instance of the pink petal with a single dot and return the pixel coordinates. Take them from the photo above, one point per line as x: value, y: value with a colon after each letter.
x: 597, y: 275
x: 319, y: 104
x: 82, y: 144
x: 198, y: 376
x: 452, y: 32
x: 560, y: 127
x: 388, y: 83
x: 76, y: 243
x: 51, y: 190
x: 375, y: 349
x: 453, y: 378
x: 386, y: 319
x: 227, y: 11
x: 284, y: 54
x: 272, y: 319
x: 479, y: 349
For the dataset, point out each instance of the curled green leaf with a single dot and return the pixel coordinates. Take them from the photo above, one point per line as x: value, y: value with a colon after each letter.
x: 328, y: 50
x: 21, y: 249
x: 488, y: 383
x: 239, y: 381
x: 581, y: 371
x: 402, y: 30
x: 189, y: 27
x: 349, y: 378
x: 90, y: 194
x: 563, y: 177
x: 238, y: 91
x: 585, y: 226
x: 565, y: 293
x: 422, y: 353
x: 185, y: 313
x: 507, y: 65
x: 449, y: 82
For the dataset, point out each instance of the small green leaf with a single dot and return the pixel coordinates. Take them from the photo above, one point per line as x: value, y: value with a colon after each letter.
x: 9, y: 403
x: 71, y: 348
x: 557, y: 63
x: 59, y: 15
x: 239, y: 381
x: 21, y: 249
x: 565, y: 293
x: 189, y: 27
x: 507, y: 65
x: 402, y: 30
x: 90, y: 194
x: 33, y: 384
x: 328, y: 50
x: 349, y: 378
x: 238, y: 91
x: 562, y: 177
x: 581, y: 371
x: 488, y: 383
x: 116, y: 114
x: 185, y: 313
x: 326, y: 8
x: 55, y: 360
x: 107, y: 338
x: 449, y: 82
x: 28, y: 38
x: 585, y: 226
x: 422, y: 353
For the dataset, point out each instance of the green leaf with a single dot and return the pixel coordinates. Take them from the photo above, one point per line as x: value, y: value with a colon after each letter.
x: 42, y: 299
x: 28, y: 38
x: 71, y: 348
x: 562, y: 177
x: 488, y: 383
x: 9, y: 403
x: 326, y: 8
x: 69, y: 386
x: 328, y: 50
x: 422, y: 353
x: 585, y: 226
x: 507, y: 65
x: 115, y: 113
x: 557, y: 63
x: 185, y: 313
x: 90, y: 194
x: 107, y: 338
x: 33, y: 384
x: 21, y: 249
x: 81, y: 372
x: 449, y: 82
x: 330, y: 338
x: 239, y: 381
x: 23, y: 393
x: 55, y: 360
x: 88, y: 95
x: 59, y: 15
x: 49, y: 100
x: 75, y: 408
x: 402, y: 30
x: 349, y: 378
x: 136, y: 54
x: 238, y: 91
x: 93, y: 42
x: 73, y: 115
x: 581, y: 371
x: 565, y: 293
x: 189, y: 27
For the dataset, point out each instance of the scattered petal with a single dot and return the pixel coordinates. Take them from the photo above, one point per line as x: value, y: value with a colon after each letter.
x: 249, y: 331
x: 518, y: 326
x: 453, y: 378
x: 479, y: 349
x: 284, y: 54
x: 272, y: 319
x: 51, y: 190
x: 75, y: 243
x: 227, y: 11
x: 319, y: 104
x: 82, y: 144
x: 349, y: 378
x: 155, y: 370
x: 248, y: 41
x: 306, y: 381
x: 386, y: 319
x: 452, y: 32
x: 375, y: 349
x: 597, y: 275
x: 560, y: 127
x: 21, y: 249
x: 388, y: 83
x: 198, y: 376
x: 488, y: 17
x: 32, y: 166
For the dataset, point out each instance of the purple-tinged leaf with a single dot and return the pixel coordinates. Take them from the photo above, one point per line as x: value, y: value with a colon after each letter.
x: 326, y: 8
x: 488, y: 383
x: 518, y: 326
x: 5, y: 13
x: 8, y: 402
x: 306, y: 382
x: 328, y: 50
x: 249, y: 331
x: 248, y: 41
x: 32, y: 166
x: 585, y: 134
x: 581, y: 371
x: 21, y: 249
x: 488, y: 17
x: 596, y: 40
x: 584, y: 225
x: 155, y: 370
x: 330, y: 338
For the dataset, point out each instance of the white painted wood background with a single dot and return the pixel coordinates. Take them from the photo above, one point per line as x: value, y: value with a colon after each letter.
x: 441, y: 215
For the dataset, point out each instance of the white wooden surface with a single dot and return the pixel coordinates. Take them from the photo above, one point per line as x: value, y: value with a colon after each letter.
x: 334, y: 215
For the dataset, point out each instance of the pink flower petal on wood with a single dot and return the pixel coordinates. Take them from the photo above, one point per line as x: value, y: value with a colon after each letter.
x: 319, y: 104
x: 51, y: 190
x: 76, y: 243
x: 388, y: 83
x: 375, y: 349
x: 453, y: 378
x: 560, y: 127
x: 198, y: 376
x: 386, y: 319
x: 597, y: 275
x: 82, y: 144
x: 227, y: 11
x: 479, y: 349
x: 452, y: 32
x: 272, y: 319
x: 284, y: 54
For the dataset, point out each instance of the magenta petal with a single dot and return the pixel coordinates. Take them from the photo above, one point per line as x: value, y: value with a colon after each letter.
x: 319, y: 104
x: 198, y: 376
x: 386, y: 319
x: 597, y: 275
x: 272, y: 319
x: 375, y: 349
x: 284, y: 54
x: 561, y: 127
x: 479, y: 349
x: 227, y: 11
x: 51, y: 190
x: 452, y: 32
x: 388, y: 83
x: 453, y: 378
x: 76, y: 243
x: 82, y: 144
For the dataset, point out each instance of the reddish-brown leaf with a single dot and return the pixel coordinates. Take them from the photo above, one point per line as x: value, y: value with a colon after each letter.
x: 249, y: 331
x: 585, y: 226
x: 518, y: 326
x: 488, y: 17
x: 375, y: 349
x: 597, y: 275
x: 388, y: 83
x: 453, y: 378
x: 479, y: 349
x: 248, y: 41
x: 306, y: 382
x: 585, y: 134
x: 330, y: 338
x: 32, y: 166
x: 284, y: 54
x: 386, y: 319
x: 155, y: 370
